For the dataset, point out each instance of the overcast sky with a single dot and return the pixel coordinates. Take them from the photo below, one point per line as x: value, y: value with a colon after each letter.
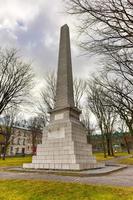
x: 33, y: 27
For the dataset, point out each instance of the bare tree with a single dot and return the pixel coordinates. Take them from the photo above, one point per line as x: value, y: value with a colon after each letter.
x: 79, y: 91
x: 111, y: 21
x: 36, y: 125
x: 120, y: 95
x: 6, y: 127
x: 123, y: 132
x: 48, y: 94
x: 107, y: 29
x: 121, y: 64
x: 15, y: 79
x: 85, y: 119
x: 104, y: 113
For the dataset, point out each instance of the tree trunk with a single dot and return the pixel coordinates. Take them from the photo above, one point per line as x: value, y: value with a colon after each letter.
x: 104, y: 146
x: 103, y: 140
x: 111, y: 146
x: 4, y: 155
x: 109, y: 136
x: 108, y: 145
x: 127, y: 145
x: 3, y: 152
x: 130, y: 129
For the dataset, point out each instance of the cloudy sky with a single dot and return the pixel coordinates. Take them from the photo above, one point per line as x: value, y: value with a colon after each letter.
x: 33, y: 27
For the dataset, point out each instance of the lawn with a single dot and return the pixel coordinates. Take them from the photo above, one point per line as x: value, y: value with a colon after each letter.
x: 15, y: 161
x: 40, y: 190
x: 100, y: 156
x: 127, y: 161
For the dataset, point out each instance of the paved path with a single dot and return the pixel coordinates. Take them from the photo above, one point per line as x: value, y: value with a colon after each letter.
x: 121, y: 178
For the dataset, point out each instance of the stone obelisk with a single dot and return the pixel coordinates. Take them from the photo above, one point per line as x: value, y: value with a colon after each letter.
x: 64, y: 144
x: 64, y: 91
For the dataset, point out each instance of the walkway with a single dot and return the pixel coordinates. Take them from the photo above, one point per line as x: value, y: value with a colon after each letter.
x: 120, y: 178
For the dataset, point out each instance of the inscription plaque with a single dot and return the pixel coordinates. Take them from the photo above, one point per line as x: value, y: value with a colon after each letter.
x: 59, y: 116
x: 60, y: 133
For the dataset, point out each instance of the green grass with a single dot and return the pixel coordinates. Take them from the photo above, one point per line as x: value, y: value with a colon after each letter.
x: 15, y: 161
x: 127, y: 161
x: 100, y: 156
x: 44, y: 190
x: 122, y: 154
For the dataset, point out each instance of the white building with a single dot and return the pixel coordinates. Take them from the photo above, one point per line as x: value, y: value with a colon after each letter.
x: 21, y: 141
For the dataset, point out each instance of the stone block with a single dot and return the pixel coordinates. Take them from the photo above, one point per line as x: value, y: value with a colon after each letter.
x: 65, y: 166
x: 51, y: 166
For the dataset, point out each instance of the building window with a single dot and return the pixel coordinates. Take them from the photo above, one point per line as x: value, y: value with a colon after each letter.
x: 23, y: 151
x: 24, y: 142
x: 17, y: 150
x: 18, y: 141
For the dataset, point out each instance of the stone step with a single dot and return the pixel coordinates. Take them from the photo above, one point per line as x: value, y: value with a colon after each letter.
x: 64, y: 166
x: 72, y: 159
x: 63, y: 146
x: 69, y: 153
x: 46, y: 157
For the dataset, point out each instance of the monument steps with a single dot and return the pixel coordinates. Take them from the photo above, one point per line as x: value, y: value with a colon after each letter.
x: 63, y: 166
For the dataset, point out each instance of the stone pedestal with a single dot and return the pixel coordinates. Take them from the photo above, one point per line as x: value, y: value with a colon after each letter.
x: 64, y: 145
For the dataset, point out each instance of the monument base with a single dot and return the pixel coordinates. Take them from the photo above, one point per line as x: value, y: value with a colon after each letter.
x: 64, y: 147
x: 58, y: 166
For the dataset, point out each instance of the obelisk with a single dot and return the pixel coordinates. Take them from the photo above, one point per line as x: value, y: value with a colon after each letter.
x: 64, y: 88
x: 64, y: 91
x: 64, y: 143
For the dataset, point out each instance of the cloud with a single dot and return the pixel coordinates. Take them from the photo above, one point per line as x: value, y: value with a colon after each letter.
x: 14, y: 10
x: 33, y: 27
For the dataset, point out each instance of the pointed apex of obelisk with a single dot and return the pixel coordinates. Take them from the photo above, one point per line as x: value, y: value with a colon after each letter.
x: 64, y: 90
x: 65, y: 26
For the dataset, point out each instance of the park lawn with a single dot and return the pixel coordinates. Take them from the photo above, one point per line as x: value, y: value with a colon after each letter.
x: 127, y: 161
x: 15, y: 161
x: 49, y: 190
x: 100, y: 156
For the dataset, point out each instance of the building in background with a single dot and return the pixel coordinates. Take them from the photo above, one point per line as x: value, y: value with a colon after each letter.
x: 21, y: 141
x: 23, y: 138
